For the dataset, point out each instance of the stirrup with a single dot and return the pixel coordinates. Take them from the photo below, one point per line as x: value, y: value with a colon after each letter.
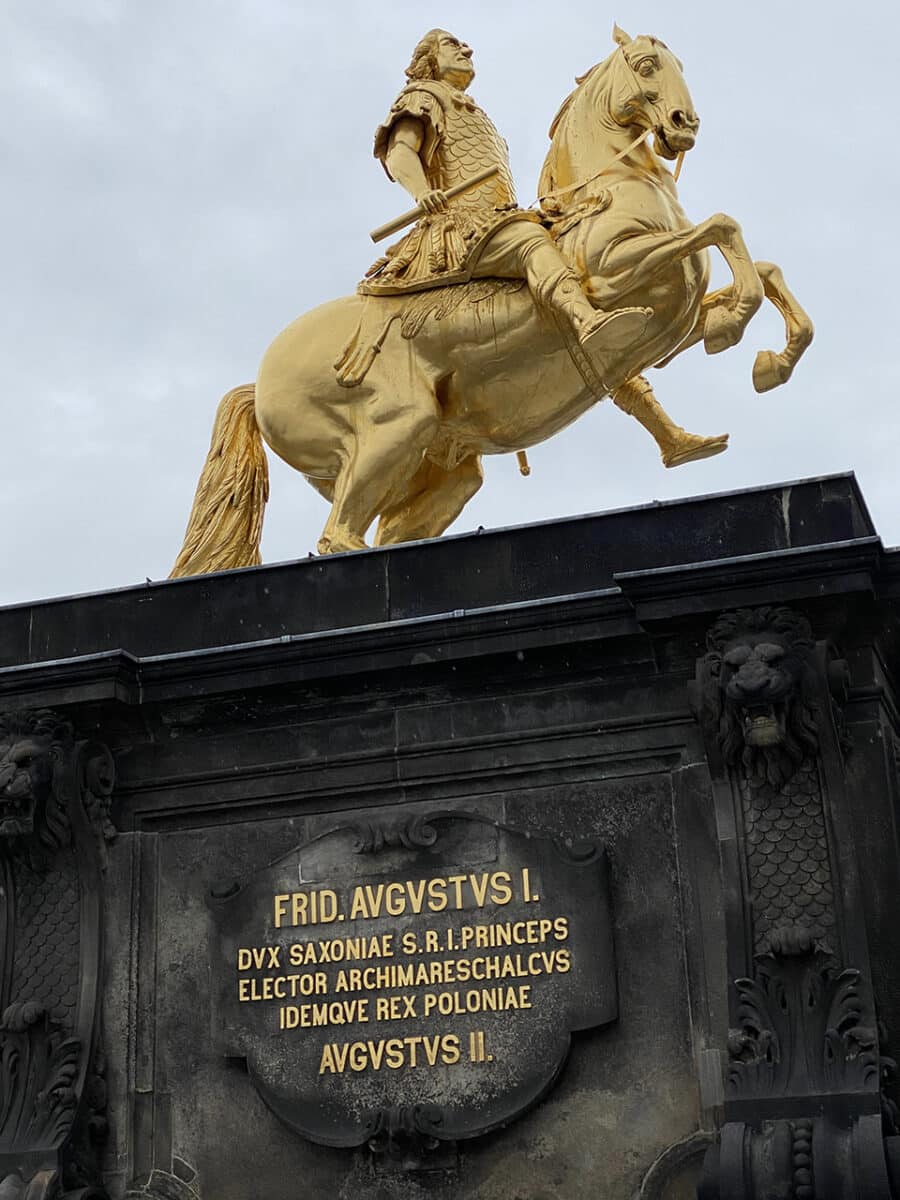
x: 614, y: 330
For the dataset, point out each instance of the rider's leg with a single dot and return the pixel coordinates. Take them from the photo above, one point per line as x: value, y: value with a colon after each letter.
x: 436, y: 497
x: 676, y: 445
x: 525, y: 250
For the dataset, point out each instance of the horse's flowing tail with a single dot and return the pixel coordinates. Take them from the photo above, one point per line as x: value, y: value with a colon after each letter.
x: 225, y: 525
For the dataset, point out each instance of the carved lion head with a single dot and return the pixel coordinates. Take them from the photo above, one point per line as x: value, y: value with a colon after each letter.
x: 759, y: 659
x: 32, y: 749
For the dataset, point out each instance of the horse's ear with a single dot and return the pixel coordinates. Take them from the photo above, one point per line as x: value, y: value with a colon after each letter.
x: 620, y: 37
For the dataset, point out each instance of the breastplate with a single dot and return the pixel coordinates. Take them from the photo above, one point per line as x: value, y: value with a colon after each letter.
x: 471, y: 143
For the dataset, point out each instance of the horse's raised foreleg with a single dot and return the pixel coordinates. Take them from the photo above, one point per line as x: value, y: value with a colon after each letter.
x: 770, y: 369
x: 676, y: 445
x: 391, y: 437
x: 435, y: 499
x: 633, y: 262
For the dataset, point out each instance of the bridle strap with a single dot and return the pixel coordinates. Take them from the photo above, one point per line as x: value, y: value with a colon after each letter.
x: 622, y: 153
x: 590, y: 179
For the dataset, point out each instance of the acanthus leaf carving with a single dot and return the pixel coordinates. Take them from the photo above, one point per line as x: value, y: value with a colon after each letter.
x: 39, y: 1063
x: 804, y: 1026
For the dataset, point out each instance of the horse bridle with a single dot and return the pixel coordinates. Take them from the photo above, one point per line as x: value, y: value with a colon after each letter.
x: 622, y: 153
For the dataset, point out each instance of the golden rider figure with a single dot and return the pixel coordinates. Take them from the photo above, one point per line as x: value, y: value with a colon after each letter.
x: 435, y: 137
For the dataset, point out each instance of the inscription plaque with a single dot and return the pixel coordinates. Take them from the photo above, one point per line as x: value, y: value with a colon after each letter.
x: 415, y: 979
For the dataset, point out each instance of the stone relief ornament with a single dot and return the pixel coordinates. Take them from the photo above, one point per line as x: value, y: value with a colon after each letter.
x: 804, y: 1025
x: 413, y: 935
x: 180, y: 1183
x: 55, y: 795
x: 388, y: 400
x: 806, y: 1113
x: 755, y: 688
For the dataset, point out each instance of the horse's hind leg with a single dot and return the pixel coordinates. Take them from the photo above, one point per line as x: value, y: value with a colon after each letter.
x: 676, y: 445
x: 435, y: 499
x: 391, y: 438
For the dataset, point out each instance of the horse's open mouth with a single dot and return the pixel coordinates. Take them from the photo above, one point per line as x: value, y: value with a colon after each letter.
x: 667, y: 146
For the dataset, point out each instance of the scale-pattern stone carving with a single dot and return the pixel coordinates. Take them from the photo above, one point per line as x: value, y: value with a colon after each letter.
x: 47, y: 938
x: 788, y: 867
x: 759, y: 696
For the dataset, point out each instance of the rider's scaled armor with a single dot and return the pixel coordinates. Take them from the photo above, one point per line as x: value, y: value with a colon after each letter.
x: 460, y: 140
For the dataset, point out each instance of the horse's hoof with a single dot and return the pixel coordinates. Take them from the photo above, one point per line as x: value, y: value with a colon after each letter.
x: 614, y: 330
x: 769, y: 371
x: 721, y: 331
x: 692, y: 447
x: 340, y: 545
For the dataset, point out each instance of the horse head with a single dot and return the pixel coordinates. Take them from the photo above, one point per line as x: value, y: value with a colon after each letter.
x: 639, y: 89
x: 656, y: 96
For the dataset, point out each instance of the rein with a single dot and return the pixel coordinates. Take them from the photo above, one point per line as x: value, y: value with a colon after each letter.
x: 590, y: 179
x: 622, y: 153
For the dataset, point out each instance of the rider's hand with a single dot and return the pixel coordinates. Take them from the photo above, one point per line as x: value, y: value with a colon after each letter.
x: 434, y: 201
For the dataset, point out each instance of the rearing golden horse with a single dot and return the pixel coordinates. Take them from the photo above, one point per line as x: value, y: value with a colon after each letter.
x: 484, y: 370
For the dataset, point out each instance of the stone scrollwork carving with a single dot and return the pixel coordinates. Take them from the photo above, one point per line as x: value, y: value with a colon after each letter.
x: 38, y: 1071
x: 180, y: 1183
x: 805, y: 1109
x: 405, y: 1133
x: 55, y: 795
x: 806, y: 1115
x: 410, y: 833
x: 804, y: 1026
x: 676, y: 1169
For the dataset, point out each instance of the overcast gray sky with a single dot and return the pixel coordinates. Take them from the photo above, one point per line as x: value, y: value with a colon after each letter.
x: 184, y: 177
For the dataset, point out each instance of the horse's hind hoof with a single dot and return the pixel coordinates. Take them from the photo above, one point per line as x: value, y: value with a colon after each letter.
x: 338, y: 544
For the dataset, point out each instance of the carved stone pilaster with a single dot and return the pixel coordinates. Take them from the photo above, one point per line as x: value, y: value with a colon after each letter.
x: 763, y: 695
x: 804, y: 1111
x: 55, y: 795
x: 806, y: 1116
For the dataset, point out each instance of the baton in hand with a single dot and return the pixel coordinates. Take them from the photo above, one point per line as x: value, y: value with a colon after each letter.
x: 383, y: 231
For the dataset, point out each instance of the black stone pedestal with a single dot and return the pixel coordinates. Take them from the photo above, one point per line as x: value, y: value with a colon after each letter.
x: 558, y: 861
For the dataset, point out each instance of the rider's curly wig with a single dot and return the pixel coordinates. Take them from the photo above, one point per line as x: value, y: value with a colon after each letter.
x: 423, y: 64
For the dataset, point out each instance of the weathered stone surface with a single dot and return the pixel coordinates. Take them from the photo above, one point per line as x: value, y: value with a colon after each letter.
x: 542, y: 679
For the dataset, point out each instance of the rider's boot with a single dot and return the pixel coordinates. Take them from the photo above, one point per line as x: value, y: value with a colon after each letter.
x: 676, y: 445
x: 595, y: 328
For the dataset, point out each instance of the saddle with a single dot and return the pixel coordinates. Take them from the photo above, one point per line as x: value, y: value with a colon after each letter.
x: 412, y: 311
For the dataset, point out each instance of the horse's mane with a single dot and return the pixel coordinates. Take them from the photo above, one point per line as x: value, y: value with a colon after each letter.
x: 581, y: 79
x: 567, y: 103
x: 547, y: 181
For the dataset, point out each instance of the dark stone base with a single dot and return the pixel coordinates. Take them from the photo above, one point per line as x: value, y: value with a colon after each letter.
x: 553, y: 678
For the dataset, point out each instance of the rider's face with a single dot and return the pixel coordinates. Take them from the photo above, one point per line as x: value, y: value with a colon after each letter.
x: 454, y: 60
